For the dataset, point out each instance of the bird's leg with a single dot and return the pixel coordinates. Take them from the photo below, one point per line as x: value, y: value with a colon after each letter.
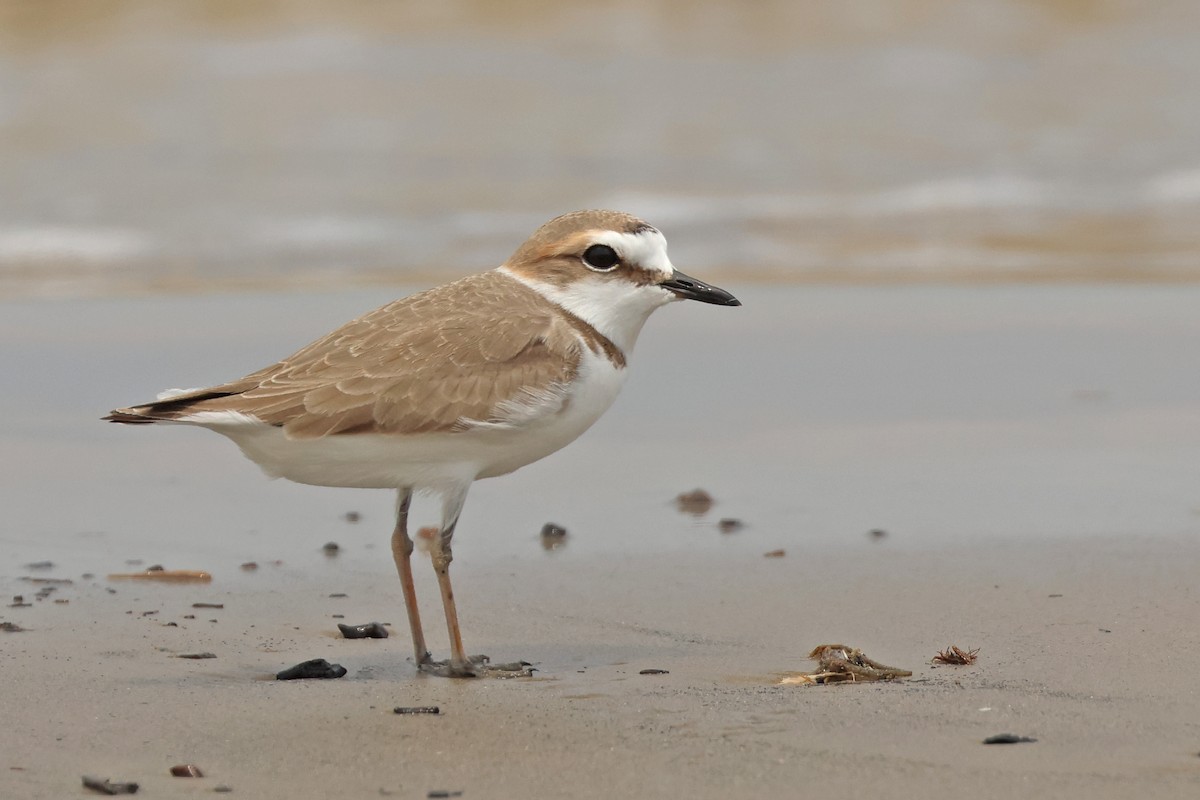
x: 452, y: 505
x: 402, y: 548
x: 459, y: 665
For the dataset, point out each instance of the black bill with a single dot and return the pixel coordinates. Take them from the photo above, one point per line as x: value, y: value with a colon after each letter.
x: 689, y: 288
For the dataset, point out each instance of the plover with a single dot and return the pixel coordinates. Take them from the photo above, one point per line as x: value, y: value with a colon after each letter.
x: 469, y: 380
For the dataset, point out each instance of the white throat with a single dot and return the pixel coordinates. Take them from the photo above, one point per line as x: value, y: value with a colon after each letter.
x: 617, y: 309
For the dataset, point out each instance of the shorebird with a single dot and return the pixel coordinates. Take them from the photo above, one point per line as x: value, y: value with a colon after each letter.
x: 469, y: 380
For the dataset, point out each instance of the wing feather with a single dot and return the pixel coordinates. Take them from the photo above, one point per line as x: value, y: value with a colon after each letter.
x: 430, y: 362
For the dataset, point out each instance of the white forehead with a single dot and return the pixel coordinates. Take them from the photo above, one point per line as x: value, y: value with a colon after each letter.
x: 646, y: 249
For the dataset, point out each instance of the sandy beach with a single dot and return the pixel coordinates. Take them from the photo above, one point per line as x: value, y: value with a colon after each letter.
x: 1029, y: 453
x: 961, y: 400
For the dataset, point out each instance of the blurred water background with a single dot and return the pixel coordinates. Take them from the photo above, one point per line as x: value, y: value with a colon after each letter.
x: 150, y: 145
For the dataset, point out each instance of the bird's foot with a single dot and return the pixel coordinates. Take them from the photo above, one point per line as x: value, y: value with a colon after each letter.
x: 475, y: 667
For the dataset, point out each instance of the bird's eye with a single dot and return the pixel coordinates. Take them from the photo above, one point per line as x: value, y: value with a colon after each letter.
x: 601, y: 257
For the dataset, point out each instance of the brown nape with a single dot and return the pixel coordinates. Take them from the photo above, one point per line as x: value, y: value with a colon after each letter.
x: 567, y: 226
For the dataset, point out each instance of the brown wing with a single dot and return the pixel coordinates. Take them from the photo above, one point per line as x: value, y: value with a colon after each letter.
x: 421, y: 364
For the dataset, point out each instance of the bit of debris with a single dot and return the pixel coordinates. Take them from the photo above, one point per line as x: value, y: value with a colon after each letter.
x: 37, y: 565
x: 837, y: 663
x: 877, y: 533
x: 222, y: 788
x: 186, y: 771
x: 775, y: 553
x: 250, y: 566
x: 654, y: 672
x: 11, y: 627
x: 371, y: 630
x: 104, y: 786
x: 19, y: 602
x: 352, y: 516
x: 317, y: 668
x: 339, y: 594
x: 331, y: 548
x: 169, y: 575
x: 696, y: 502
x: 51, y: 581
x: 443, y: 793
x: 208, y: 605
x: 196, y: 655
x: 553, y: 536
x: 956, y: 655
x: 730, y: 525
x: 416, y: 710
x: 1007, y: 738
x: 1054, y: 595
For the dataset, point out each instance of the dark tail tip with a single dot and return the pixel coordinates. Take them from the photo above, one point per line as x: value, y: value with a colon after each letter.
x: 125, y: 418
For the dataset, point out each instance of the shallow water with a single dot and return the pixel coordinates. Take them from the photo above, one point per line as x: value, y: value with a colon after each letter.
x: 156, y: 145
x: 813, y: 414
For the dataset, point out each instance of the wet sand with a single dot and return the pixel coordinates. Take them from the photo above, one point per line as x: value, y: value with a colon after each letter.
x: 1030, y: 452
x: 1085, y: 647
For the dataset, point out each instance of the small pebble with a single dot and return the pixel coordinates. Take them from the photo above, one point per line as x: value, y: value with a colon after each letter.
x: 696, y: 502
x: 554, y: 531
x: 439, y: 793
x: 339, y: 594
x: 654, y: 672
x: 371, y: 630
x: 775, y: 554
x: 877, y: 533
x: 352, y: 516
x: 196, y: 655
x: 416, y: 710
x: 105, y: 786
x: 1007, y: 738
x: 208, y: 605
x: 317, y: 668
x: 730, y: 525
x: 553, y: 536
x: 40, y: 565
x: 331, y: 548
x: 186, y: 771
x: 11, y: 627
x: 222, y: 788
x: 250, y: 566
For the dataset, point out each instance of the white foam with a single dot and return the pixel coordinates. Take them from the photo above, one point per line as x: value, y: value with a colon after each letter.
x: 79, y: 244
x: 1178, y: 186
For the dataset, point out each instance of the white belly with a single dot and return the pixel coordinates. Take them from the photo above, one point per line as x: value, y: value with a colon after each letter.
x: 425, y: 460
